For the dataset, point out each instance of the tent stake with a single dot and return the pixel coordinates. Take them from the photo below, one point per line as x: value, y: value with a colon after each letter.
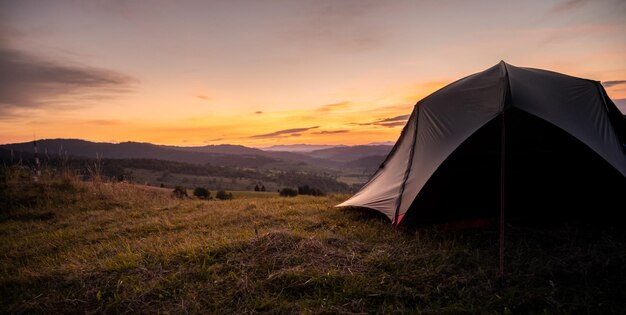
x: 502, y: 169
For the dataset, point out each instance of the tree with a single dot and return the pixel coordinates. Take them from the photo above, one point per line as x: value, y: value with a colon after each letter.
x: 262, y: 187
x: 256, y: 188
x: 288, y: 192
x: 222, y: 195
x: 180, y: 192
x: 202, y: 193
x: 306, y: 190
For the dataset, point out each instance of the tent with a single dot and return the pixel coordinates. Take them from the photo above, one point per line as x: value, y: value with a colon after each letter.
x: 540, y: 144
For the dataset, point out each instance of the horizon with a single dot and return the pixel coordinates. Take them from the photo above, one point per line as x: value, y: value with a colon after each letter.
x: 275, y: 73
x: 376, y: 143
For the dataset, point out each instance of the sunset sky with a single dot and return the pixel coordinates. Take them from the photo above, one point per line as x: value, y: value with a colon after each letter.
x: 260, y: 73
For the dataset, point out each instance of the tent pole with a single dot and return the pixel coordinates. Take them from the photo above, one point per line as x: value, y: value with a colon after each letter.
x: 502, y: 169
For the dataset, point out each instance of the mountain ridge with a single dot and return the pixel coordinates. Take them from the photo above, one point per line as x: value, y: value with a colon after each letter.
x: 223, y: 154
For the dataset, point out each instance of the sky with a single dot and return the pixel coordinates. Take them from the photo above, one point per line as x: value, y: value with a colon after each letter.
x: 272, y: 72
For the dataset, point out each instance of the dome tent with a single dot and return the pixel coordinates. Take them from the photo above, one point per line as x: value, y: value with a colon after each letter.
x: 545, y: 143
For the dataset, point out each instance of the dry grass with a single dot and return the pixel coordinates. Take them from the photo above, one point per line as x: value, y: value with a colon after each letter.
x: 70, y: 246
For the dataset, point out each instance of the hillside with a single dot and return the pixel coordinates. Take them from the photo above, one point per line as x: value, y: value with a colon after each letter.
x: 346, y: 154
x: 219, y: 155
x: 299, y: 147
x: 92, y: 247
x: 129, y: 150
x: 169, y: 173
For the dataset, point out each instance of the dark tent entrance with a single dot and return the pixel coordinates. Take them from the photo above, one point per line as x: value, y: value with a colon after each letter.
x: 550, y: 146
x: 549, y: 176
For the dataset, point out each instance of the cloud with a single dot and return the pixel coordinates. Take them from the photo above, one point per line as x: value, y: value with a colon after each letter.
x: 258, y: 112
x: 279, y: 133
x: 103, y: 122
x: 387, y: 122
x: 29, y: 82
x: 333, y: 106
x: 401, y: 118
x: 572, y: 32
x: 203, y: 97
x: 393, y: 124
x: 342, y: 26
x: 567, y: 6
x: 213, y: 140
x: 609, y: 84
x: 330, y: 132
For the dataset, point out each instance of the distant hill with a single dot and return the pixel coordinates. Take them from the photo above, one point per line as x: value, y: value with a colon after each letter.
x: 128, y: 150
x: 346, y: 154
x: 369, y: 162
x: 300, y: 147
x: 220, y: 149
x: 274, y: 155
x: 218, y: 155
x: 169, y: 174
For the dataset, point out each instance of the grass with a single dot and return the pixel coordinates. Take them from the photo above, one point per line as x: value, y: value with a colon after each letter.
x: 69, y: 246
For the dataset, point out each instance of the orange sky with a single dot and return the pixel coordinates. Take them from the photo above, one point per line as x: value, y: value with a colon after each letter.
x: 260, y: 73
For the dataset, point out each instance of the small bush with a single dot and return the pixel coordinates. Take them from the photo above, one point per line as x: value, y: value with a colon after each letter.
x: 201, y: 193
x: 222, y: 195
x: 288, y: 192
x: 306, y: 190
x: 180, y: 192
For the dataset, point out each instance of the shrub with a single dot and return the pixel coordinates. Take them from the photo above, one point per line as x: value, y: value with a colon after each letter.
x: 288, y: 192
x: 202, y: 193
x: 306, y: 190
x: 222, y: 195
x: 180, y: 192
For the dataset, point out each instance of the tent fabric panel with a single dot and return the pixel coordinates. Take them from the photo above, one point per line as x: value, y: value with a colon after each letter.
x: 383, y: 190
x: 572, y: 104
x: 447, y: 118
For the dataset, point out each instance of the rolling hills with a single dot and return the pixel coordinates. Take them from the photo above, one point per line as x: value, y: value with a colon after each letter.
x: 219, y: 155
x: 232, y: 167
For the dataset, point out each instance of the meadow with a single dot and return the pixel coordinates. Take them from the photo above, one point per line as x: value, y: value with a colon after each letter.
x: 70, y: 246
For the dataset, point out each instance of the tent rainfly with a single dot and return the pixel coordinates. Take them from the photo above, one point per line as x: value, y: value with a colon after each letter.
x: 545, y: 142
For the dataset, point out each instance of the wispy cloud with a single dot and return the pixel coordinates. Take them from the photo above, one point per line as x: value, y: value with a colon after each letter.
x: 331, y: 132
x: 102, y: 122
x: 291, y: 132
x: 393, y: 124
x: 258, y: 112
x: 333, y: 106
x: 395, y: 119
x: 567, y: 6
x: 338, y: 25
x: 613, y: 83
x: 387, y: 122
x: 203, y: 97
x: 573, y: 32
x: 213, y: 140
x: 29, y: 82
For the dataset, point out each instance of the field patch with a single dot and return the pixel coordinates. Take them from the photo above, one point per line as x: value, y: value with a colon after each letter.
x: 72, y: 246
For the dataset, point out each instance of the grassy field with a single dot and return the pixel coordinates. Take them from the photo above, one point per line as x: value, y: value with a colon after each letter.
x: 75, y: 247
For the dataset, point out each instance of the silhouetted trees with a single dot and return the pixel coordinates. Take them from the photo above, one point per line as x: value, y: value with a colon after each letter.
x: 306, y: 190
x: 180, y: 192
x: 202, y: 193
x: 222, y: 195
x: 288, y: 192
